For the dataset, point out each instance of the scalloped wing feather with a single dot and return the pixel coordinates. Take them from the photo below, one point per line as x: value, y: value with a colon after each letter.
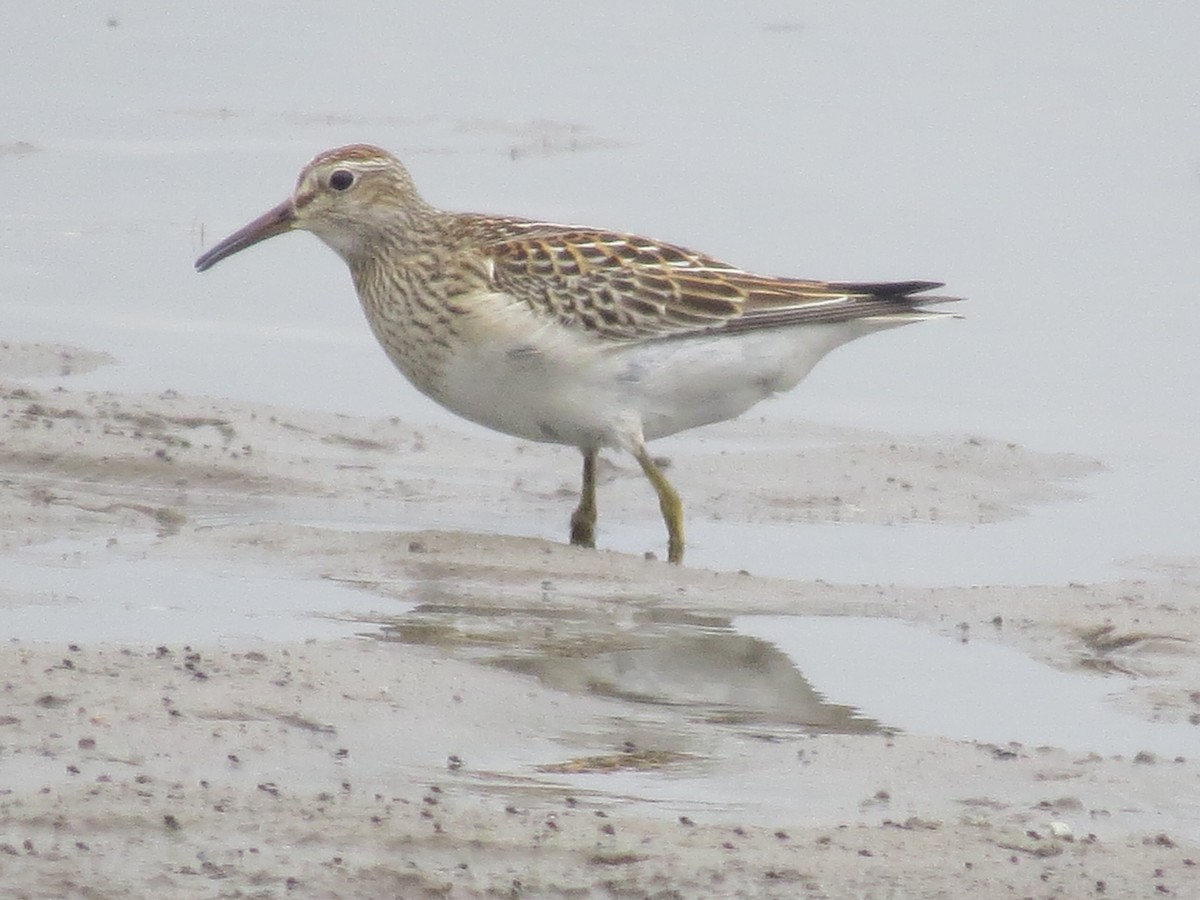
x: 624, y: 287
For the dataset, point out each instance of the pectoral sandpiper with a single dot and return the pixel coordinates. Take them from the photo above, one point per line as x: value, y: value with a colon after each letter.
x: 567, y: 334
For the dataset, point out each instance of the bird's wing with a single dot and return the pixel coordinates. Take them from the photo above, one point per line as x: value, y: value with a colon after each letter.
x: 623, y: 287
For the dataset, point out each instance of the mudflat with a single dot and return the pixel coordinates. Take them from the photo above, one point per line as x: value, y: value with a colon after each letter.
x: 235, y: 668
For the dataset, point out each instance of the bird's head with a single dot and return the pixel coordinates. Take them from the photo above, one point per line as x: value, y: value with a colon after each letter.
x: 350, y: 198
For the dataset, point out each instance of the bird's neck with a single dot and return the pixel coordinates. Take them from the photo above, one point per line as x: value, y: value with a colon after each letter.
x: 396, y: 240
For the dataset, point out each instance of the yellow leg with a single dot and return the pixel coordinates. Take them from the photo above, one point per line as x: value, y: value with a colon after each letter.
x: 669, y: 502
x: 583, y: 520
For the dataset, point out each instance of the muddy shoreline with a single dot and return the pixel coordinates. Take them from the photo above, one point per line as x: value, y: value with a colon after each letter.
x: 492, y: 714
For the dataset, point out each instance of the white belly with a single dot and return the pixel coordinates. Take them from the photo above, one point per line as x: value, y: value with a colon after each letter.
x: 548, y: 384
x: 687, y: 383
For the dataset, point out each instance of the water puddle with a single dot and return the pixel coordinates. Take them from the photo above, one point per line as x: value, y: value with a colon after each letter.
x: 78, y: 593
x: 768, y: 677
x: 920, y: 682
x: 786, y: 676
x: 691, y: 664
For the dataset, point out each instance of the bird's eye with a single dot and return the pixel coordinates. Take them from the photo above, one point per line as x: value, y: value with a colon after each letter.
x: 340, y: 179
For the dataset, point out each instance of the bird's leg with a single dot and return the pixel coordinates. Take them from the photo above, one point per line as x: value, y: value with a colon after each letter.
x: 668, y: 501
x: 583, y: 520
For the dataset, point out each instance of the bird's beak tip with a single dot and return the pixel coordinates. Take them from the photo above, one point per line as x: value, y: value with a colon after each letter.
x: 275, y: 221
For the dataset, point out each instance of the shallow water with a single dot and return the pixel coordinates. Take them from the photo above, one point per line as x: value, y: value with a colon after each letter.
x: 79, y: 592
x: 680, y: 682
x: 974, y: 690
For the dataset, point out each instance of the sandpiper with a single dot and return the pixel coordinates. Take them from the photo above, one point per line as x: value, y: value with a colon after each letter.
x: 568, y: 334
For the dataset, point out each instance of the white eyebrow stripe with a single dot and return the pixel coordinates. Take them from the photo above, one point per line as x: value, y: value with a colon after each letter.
x: 354, y: 162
